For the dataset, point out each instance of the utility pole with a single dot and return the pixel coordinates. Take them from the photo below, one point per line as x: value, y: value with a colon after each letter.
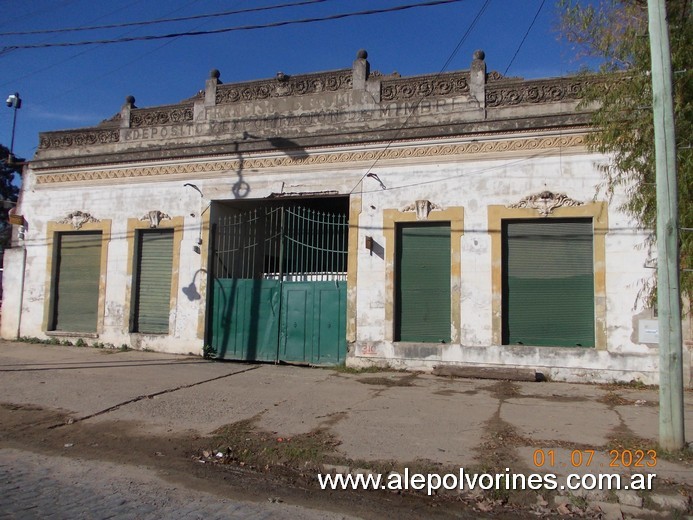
x: 671, y: 430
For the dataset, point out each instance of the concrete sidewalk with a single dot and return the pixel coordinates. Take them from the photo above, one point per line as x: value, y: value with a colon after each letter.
x: 383, y: 415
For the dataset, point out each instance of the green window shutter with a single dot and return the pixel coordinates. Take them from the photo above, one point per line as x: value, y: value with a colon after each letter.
x: 548, y: 297
x: 422, y: 294
x: 153, y: 296
x: 78, y: 273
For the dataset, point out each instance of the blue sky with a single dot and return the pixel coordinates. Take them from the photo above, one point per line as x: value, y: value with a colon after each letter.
x: 71, y: 87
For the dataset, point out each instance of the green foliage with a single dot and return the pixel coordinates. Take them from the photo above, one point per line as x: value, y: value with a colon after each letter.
x: 616, y: 33
x: 8, y: 191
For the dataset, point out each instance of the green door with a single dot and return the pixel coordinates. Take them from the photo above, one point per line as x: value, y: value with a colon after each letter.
x: 422, y: 293
x: 245, y: 319
x: 313, y: 322
x: 154, y: 269
x: 78, y: 272
x: 548, y: 275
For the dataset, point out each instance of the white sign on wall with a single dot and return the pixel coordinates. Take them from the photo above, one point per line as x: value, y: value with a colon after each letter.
x: 648, y: 331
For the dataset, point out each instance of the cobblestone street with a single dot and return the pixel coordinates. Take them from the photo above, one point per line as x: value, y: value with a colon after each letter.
x: 39, y: 486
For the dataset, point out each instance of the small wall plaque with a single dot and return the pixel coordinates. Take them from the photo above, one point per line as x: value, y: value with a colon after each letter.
x: 648, y: 331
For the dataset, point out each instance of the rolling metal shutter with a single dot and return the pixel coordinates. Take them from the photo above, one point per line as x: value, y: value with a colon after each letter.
x: 153, y: 297
x: 422, y: 291
x: 548, y: 295
x: 77, y: 291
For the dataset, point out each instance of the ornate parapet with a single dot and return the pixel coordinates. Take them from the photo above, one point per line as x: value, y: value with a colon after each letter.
x: 165, y: 115
x: 86, y: 137
x: 399, y: 89
x: 503, y: 94
x: 284, y: 85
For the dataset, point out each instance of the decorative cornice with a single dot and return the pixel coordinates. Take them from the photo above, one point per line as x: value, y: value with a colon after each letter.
x: 501, y: 94
x: 453, y: 84
x: 161, y: 115
x: 284, y: 86
x: 78, y: 218
x: 83, y: 138
x: 338, y: 157
x: 545, y: 202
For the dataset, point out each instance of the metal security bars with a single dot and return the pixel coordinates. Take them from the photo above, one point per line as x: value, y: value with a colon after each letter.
x: 286, y: 243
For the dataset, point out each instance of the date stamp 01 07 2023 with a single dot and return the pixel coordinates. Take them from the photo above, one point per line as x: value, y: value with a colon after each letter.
x: 632, y: 459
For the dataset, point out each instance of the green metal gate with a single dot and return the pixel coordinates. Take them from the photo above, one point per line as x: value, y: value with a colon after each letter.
x: 279, y: 286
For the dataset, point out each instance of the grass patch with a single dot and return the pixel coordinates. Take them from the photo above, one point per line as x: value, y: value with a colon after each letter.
x: 299, y: 457
x: 241, y: 443
x: 632, y: 385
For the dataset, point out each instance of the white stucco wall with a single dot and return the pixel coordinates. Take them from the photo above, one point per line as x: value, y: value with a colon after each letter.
x: 473, y: 182
x: 475, y: 185
x: 119, y: 201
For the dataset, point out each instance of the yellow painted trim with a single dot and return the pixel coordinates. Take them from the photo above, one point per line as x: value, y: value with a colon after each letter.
x: 352, y: 266
x: 134, y: 224
x: 392, y: 217
x: 598, y: 212
x: 52, y: 230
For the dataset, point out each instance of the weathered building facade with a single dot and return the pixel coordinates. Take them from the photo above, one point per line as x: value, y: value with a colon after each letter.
x: 339, y: 216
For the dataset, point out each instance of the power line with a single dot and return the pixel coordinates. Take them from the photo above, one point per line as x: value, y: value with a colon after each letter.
x: 161, y: 20
x: 229, y: 29
x: 525, y: 37
x: 85, y: 51
x: 445, y: 66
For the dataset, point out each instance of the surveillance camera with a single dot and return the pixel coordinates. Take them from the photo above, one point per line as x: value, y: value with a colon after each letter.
x: 9, y: 101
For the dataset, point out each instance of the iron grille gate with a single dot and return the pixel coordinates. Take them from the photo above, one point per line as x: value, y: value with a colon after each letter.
x: 279, y: 286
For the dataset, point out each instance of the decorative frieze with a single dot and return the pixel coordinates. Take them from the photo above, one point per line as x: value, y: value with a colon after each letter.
x: 77, y: 219
x: 283, y: 86
x: 454, y: 84
x: 549, y: 91
x: 160, y: 116
x: 249, y: 162
x: 82, y: 138
x: 545, y: 202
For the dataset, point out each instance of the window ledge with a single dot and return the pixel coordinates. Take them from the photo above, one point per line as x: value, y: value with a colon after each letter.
x: 66, y: 334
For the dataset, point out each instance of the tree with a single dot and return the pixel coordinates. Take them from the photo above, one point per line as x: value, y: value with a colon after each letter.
x: 9, y: 191
x: 615, y: 32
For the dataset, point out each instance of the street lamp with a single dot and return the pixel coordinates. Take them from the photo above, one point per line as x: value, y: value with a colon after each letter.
x: 15, y: 102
